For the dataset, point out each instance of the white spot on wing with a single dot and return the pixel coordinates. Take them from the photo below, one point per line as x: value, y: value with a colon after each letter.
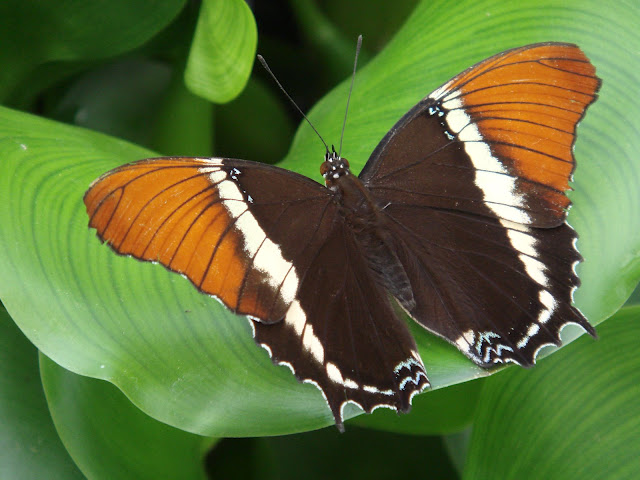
x: 550, y: 305
x: 334, y: 374
x: 535, y: 269
x: 515, y: 226
x: 296, y: 317
x: 246, y: 224
x: 312, y: 344
x: 269, y: 259
x: 351, y: 384
x: 533, y: 329
x: 456, y: 118
x: 436, y: 94
x: 521, y: 241
x: 372, y: 389
x: 498, y: 188
x: 483, y: 159
x: 289, y: 286
x: 216, y: 175
x: 462, y: 344
x: 466, y: 340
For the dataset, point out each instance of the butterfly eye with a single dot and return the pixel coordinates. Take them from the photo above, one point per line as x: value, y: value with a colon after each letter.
x: 324, y: 168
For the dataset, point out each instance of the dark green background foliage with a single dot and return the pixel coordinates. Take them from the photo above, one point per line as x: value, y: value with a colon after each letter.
x: 110, y: 368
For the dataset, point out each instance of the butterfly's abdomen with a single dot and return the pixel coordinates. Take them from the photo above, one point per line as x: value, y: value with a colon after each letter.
x: 368, y: 224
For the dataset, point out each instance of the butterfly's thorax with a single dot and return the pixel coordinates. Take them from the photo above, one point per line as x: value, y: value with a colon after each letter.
x: 366, y: 220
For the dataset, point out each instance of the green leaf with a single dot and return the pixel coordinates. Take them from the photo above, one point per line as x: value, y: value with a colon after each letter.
x: 377, y: 25
x: 184, y: 359
x: 328, y: 46
x: 222, y: 54
x: 257, y: 110
x: 29, y: 443
x: 576, y: 415
x: 124, y: 442
x: 35, y: 33
x: 140, y: 100
x: 121, y: 98
x: 184, y: 123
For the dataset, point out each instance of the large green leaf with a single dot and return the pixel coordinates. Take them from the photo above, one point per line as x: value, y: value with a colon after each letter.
x: 35, y: 33
x: 223, y: 50
x: 576, y: 415
x: 123, y: 442
x: 259, y: 111
x: 121, y: 98
x: 29, y: 443
x: 184, y: 359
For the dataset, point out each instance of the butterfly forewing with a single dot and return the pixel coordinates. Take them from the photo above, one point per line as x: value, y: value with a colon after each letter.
x: 226, y: 225
x: 495, y: 140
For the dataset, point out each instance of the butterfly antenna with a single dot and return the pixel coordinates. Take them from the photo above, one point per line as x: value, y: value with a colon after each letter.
x: 355, y: 64
x: 266, y: 67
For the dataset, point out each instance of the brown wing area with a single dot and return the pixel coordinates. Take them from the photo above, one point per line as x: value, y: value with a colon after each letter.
x: 213, y: 221
x: 497, y: 290
x: 342, y: 335
x: 526, y: 104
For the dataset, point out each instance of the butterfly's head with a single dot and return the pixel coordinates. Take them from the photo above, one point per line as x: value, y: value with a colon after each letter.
x: 333, y: 167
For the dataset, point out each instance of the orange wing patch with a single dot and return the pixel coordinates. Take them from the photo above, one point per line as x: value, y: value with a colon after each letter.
x: 169, y: 211
x: 526, y: 104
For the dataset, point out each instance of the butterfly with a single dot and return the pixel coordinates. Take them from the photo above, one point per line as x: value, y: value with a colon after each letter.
x: 458, y: 217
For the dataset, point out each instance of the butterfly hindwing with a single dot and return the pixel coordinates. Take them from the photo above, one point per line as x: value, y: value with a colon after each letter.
x: 342, y: 334
x: 497, y: 290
